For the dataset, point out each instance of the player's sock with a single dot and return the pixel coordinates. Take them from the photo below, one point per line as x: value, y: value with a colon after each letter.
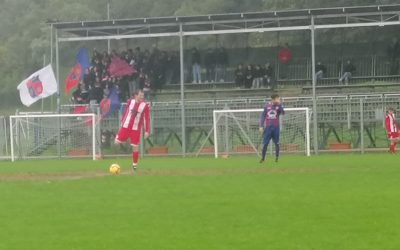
x: 391, y: 148
x: 264, y: 152
x: 135, y: 157
x: 277, y: 150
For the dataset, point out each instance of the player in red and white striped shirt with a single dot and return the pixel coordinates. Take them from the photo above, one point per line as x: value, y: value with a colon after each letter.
x: 391, y: 129
x: 136, y: 115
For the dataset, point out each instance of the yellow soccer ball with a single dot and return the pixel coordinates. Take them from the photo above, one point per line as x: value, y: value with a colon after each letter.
x: 115, y: 169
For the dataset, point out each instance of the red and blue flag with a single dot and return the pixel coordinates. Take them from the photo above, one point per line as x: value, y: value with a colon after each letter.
x: 77, y: 72
x: 111, y: 104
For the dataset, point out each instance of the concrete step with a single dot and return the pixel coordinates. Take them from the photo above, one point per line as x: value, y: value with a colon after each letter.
x: 224, y: 94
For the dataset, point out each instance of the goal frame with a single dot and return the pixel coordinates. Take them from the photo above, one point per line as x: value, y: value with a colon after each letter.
x: 15, y: 117
x: 232, y: 111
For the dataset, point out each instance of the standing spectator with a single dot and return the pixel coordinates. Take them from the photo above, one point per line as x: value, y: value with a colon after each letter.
x: 159, y: 64
x: 124, y: 87
x: 141, y: 78
x: 268, y: 76
x: 239, y: 76
x: 147, y: 88
x: 130, y: 57
x: 138, y: 58
x: 320, y: 71
x: 84, y: 93
x: 154, y: 56
x: 169, y: 68
x: 394, y: 53
x: 88, y: 78
x: 209, y: 62
x: 257, y: 77
x: 96, y: 57
x: 104, y: 64
x: 196, y: 70
x: 284, y: 57
x: 106, y: 57
x: 95, y: 95
x: 348, y: 71
x: 248, y: 80
x: 222, y: 61
x: 77, y: 95
x: 176, y: 67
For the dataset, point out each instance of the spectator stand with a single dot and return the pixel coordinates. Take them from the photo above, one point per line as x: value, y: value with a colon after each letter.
x: 273, y: 21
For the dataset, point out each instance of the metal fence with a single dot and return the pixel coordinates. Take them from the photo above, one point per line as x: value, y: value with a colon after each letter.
x: 345, y: 123
x: 299, y: 69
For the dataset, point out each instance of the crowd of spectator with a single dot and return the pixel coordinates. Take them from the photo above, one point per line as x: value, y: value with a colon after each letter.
x: 254, y: 76
x: 215, y: 63
x: 151, y: 71
x: 154, y: 68
x: 346, y: 71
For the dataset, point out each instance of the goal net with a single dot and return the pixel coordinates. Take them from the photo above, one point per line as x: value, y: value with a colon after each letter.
x: 237, y: 132
x: 53, y: 136
x: 4, y: 147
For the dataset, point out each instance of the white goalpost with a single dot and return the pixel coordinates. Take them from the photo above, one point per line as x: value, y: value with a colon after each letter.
x: 40, y: 136
x: 237, y: 131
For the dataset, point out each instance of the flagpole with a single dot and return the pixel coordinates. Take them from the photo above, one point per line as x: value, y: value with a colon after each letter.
x: 51, y: 60
x: 58, y: 74
x: 44, y: 65
x: 108, y: 18
x: 58, y: 94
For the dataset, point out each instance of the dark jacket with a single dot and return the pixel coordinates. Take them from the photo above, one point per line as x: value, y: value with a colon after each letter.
x: 268, y: 71
x: 349, y: 67
x: 258, y: 73
x: 196, y: 57
x: 320, y: 67
x: 239, y: 76
x: 209, y: 59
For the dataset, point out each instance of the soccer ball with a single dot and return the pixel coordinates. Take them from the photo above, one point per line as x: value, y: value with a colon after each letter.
x: 115, y: 169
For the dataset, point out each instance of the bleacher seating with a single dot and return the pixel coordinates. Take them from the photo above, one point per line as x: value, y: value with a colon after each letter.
x: 292, y: 87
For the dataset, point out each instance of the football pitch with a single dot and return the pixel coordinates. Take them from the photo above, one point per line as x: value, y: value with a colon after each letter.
x: 322, y: 202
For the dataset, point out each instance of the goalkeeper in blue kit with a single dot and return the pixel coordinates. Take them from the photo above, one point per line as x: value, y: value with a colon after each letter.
x: 269, y: 125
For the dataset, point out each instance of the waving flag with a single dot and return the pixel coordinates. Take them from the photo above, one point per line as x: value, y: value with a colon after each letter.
x: 119, y: 68
x: 111, y: 104
x: 77, y: 72
x: 73, y: 78
x: 79, y: 109
x: 82, y: 58
x: 40, y: 84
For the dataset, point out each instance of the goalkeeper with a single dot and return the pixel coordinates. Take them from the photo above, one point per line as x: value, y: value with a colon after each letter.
x: 269, y: 125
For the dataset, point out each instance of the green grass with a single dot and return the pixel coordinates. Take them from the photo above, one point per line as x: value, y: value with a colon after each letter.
x: 321, y: 202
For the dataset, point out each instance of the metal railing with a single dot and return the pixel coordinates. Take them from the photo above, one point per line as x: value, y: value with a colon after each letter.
x: 298, y: 71
x: 345, y: 122
x: 355, y: 121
